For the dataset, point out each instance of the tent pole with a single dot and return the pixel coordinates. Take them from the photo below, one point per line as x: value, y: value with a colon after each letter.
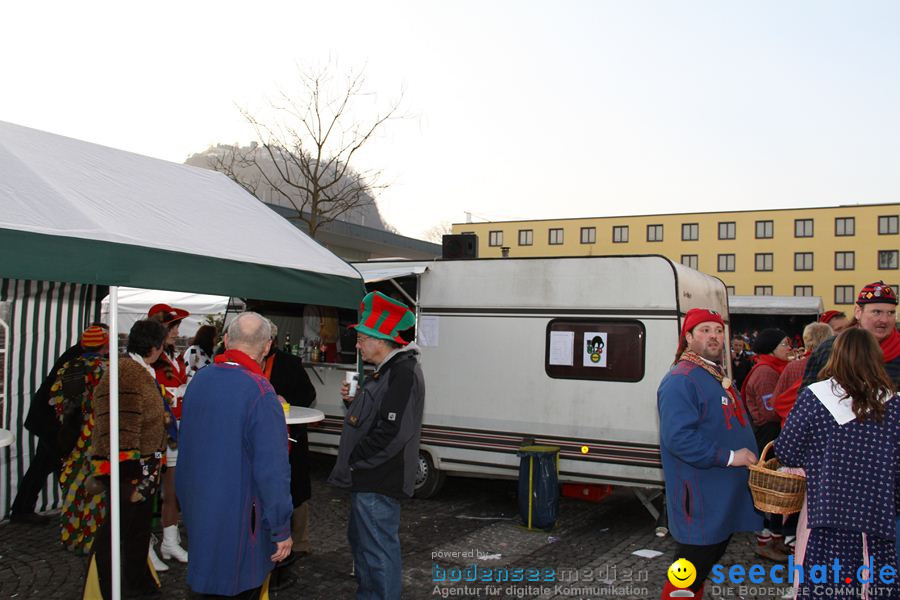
x: 114, y: 513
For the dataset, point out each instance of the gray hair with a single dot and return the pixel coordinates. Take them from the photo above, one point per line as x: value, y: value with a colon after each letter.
x: 816, y: 333
x: 250, y: 330
x: 274, y: 328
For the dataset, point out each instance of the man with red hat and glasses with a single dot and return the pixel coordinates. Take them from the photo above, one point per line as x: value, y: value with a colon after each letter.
x: 706, y: 443
x: 876, y: 312
x: 171, y: 374
x: 378, y: 454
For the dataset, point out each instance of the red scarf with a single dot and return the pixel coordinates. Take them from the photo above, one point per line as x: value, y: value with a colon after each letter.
x: 769, y: 360
x: 784, y: 402
x: 890, y: 346
x: 236, y: 356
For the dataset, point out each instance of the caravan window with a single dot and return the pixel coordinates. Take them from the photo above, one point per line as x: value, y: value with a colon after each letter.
x: 598, y: 349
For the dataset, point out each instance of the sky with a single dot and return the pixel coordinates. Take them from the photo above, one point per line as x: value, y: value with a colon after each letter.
x: 510, y: 110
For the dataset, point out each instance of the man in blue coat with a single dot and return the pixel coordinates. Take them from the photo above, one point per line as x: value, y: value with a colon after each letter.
x: 233, y: 477
x: 706, y: 442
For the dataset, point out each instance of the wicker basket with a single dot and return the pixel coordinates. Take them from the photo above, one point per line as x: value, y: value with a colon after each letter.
x: 773, y: 491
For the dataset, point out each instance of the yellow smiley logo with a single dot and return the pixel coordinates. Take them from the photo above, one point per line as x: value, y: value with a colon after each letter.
x: 682, y: 573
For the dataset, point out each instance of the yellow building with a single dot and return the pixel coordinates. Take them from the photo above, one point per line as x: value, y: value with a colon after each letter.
x: 829, y: 252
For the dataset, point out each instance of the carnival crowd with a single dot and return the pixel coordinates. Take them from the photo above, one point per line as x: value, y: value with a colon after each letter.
x: 827, y: 411
x: 203, y: 440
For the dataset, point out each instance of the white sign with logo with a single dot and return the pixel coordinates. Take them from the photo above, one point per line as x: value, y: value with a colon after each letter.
x: 594, y: 349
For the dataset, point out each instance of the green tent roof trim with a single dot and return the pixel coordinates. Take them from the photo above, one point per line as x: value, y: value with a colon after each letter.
x: 25, y: 255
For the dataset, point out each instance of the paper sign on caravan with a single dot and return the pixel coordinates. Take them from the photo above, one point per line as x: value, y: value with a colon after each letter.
x: 561, y: 348
x: 594, y: 349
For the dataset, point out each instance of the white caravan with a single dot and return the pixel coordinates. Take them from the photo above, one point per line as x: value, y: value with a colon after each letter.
x: 559, y: 351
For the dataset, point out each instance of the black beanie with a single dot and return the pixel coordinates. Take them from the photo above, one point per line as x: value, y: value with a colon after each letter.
x: 768, y: 340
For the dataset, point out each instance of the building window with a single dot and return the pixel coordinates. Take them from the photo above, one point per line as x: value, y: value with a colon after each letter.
x: 620, y: 234
x: 765, y: 229
x: 588, y: 235
x: 556, y: 237
x: 526, y: 237
x: 762, y: 290
x: 844, y: 261
x: 727, y: 230
x: 690, y: 260
x: 803, y: 261
x: 495, y: 238
x: 845, y: 226
x: 843, y: 294
x: 764, y: 261
x: 887, y: 225
x: 726, y: 263
x: 887, y: 259
x: 803, y: 290
x: 690, y: 232
x: 803, y: 227
x: 654, y: 233
x: 729, y: 289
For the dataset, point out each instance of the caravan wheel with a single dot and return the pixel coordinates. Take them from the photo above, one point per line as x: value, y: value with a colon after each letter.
x: 428, y: 479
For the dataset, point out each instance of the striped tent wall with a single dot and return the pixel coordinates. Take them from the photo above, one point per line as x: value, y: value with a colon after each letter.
x: 44, y: 318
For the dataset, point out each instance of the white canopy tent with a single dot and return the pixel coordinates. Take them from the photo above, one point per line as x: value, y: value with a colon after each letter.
x: 86, y: 214
x: 75, y: 211
x: 135, y: 302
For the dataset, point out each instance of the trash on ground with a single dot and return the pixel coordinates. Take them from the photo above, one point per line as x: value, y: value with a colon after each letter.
x: 647, y: 553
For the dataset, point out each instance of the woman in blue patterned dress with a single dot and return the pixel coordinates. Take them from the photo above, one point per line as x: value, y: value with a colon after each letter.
x: 845, y: 432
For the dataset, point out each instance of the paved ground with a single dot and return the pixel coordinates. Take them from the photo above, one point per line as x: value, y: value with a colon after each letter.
x: 471, y: 522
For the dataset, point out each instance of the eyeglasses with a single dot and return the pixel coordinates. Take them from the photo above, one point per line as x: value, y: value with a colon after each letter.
x: 786, y: 344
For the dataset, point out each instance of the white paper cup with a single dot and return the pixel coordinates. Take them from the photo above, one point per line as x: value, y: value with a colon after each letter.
x: 352, y: 380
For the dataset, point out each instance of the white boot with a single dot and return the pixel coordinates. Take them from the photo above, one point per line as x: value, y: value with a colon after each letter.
x: 170, y: 547
x: 154, y: 559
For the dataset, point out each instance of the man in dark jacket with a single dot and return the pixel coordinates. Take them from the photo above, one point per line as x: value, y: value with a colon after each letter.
x: 378, y: 454
x: 286, y: 374
x: 42, y: 422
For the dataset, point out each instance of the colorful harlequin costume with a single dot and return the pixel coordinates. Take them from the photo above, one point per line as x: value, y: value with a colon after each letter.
x: 83, y: 509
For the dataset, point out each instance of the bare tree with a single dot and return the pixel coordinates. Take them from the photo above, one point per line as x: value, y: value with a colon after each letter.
x: 436, y: 234
x: 305, y: 151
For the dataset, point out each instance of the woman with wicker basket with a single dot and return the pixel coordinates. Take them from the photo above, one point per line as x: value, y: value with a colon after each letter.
x: 845, y: 433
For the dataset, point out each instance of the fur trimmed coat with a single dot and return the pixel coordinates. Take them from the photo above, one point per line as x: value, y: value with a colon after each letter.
x: 141, y: 412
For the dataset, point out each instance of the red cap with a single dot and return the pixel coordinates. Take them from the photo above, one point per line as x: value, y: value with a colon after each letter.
x: 828, y: 315
x: 695, y: 316
x: 169, y: 316
x: 876, y: 293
